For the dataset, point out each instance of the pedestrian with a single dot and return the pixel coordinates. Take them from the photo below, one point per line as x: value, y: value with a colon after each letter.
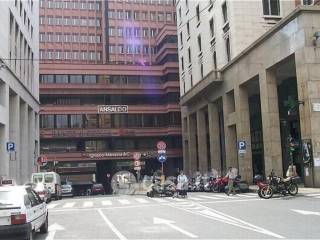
x: 181, y: 185
x: 231, y: 175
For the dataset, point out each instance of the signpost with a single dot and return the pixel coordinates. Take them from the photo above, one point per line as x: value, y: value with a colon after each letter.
x: 162, y: 157
x: 137, y: 164
x: 242, y: 147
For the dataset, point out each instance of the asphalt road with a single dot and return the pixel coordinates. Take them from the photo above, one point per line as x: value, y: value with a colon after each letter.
x: 200, y: 216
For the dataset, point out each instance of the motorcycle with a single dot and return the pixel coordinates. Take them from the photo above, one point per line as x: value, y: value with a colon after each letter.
x: 219, y: 184
x: 258, y: 179
x: 278, y: 185
x: 166, y: 189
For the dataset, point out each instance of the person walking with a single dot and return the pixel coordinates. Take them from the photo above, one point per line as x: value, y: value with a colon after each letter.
x: 231, y: 175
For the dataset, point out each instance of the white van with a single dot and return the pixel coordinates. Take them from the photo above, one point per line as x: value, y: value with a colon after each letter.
x: 51, y: 180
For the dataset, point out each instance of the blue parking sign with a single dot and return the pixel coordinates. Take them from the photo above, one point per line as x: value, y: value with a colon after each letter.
x: 242, y: 146
x: 162, y: 157
x: 11, y: 147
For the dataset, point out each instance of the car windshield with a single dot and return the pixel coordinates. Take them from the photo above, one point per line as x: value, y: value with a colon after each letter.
x: 65, y: 186
x: 48, y: 178
x: 9, y: 198
x: 37, y: 178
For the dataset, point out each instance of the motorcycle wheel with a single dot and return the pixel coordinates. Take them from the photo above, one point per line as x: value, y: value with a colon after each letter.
x: 259, y: 193
x: 266, y: 192
x: 293, y: 189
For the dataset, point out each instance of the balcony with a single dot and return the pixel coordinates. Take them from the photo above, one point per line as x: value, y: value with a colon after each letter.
x: 111, y: 155
x: 93, y: 109
x: 96, y: 89
x: 92, y: 133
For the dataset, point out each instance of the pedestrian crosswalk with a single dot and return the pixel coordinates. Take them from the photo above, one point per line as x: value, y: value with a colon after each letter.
x: 118, y: 201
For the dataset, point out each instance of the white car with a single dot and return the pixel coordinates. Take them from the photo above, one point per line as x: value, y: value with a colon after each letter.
x: 22, y: 213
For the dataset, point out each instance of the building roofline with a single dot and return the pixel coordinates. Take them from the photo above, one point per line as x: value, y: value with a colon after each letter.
x: 270, y: 32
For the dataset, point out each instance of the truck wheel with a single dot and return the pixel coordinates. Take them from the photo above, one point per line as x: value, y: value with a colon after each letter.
x: 44, y: 227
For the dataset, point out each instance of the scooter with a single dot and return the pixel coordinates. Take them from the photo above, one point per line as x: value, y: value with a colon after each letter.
x: 166, y: 189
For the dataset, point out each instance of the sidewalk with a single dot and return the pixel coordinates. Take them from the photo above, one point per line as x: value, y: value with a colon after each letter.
x: 302, y: 189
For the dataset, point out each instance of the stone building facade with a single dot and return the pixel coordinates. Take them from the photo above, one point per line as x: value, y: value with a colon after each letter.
x: 266, y: 96
x: 19, y: 89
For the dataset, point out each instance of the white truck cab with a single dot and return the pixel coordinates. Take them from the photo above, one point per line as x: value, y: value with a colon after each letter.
x: 51, y: 180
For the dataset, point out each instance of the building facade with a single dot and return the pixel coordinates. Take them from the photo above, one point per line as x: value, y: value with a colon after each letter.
x: 109, y: 87
x: 19, y: 89
x: 259, y: 113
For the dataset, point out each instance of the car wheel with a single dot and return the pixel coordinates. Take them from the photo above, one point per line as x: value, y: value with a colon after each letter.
x: 44, y: 227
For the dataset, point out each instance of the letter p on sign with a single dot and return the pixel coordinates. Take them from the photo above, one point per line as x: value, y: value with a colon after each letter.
x: 242, y: 147
x: 10, y: 147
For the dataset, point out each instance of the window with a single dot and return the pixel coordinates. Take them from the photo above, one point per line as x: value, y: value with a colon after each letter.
x: 152, y: 16
x: 182, y: 64
x: 187, y: 4
x: 62, y: 121
x: 189, y: 55
x: 180, y: 18
x: 61, y: 78
x: 201, y: 70
x: 168, y: 17
x: 136, y: 15
x: 211, y: 25
x: 153, y: 32
x: 120, y: 32
x: 228, y: 49
x: 307, y: 2
x: 199, y: 43
x: 145, y: 49
x: 75, y: 78
x: 271, y: 7
x: 145, y: 32
x: 198, y: 13
x: 225, y: 12
x: 181, y: 39
x: 90, y: 79
x: 121, y: 49
x: 160, y: 17
x: 188, y: 28
x: 76, y: 121
x: 46, y: 121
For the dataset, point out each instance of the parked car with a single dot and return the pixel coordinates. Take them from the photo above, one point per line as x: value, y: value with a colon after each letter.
x: 97, y: 188
x: 22, y: 213
x: 51, y: 180
x: 67, y: 190
x: 43, y: 192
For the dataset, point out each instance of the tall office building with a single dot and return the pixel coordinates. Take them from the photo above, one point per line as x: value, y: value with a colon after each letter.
x: 19, y: 89
x: 109, y: 86
x: 243, y: 68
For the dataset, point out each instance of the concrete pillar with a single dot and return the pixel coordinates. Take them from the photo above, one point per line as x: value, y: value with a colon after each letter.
x: 185, y: 142
x: 4, y: 129
x: 230, y: 136
x: 24, y: 143
x: 192, y: 128
x: 308, y: 85
x: 32, y: 137
x: 215, y: 151
x: 270, y: 122
x: 14, y: 135
x: 243, y: 132
x: 202, y: 141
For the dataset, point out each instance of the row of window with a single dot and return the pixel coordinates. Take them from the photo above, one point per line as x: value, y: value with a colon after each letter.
x: 110, y: 144
x: 70, y: 21
x: 132, y: 49
x: 107, y: 79
x: 129, y: 32
x: 143, y: 16
x: 106, y: 121
x: 69, y: 38
x: 114, y: 99
x: 23, y: 15
x: 94, y: 6
x: 151, y: 2
x: 70, y: 55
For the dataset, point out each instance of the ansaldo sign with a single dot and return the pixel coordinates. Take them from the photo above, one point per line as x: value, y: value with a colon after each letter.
x: 113, y: 109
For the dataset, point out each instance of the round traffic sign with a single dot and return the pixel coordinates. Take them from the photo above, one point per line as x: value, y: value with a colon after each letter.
x: 162, y: 157
x: 161, y: 145
x: 42, y: 160
x: 137, y: 163
x: 136, y: 156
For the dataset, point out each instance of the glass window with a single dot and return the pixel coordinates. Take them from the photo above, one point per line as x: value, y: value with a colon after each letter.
x: 90, y: 79
x: 47, y: 78
x: 105, y: 121
x: 48, y: 178
x: 46, y: 121
x: 91, y: 121
x: 271, y: 7
x: 225, y: 12
x: 62, y: 121
x: 76, y: 121
x: 75, y: 78
x: 61, y: 78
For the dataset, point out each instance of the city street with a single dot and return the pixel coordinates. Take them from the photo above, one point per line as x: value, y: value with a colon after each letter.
x: 200, y: 216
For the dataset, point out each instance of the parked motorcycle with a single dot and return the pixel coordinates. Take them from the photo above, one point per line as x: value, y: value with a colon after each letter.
x: 219, y: 184
x: 208, y: 185
x: 278, y: 185
x: 258, y: 179
x: 167, y: 189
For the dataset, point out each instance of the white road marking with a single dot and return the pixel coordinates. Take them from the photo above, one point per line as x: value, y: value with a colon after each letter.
x: 141, y: 200
x: 252, y: 194
x: 194, y: 198
x: 208, y: 197
x: 106, y: 203
x: 124, y: 201
x: 159, y: 200
x: 52, y: 205
x: 111, y: 226
x: 222, y: 217
x: 69, y: 205
x: 303, y: 212
x: 170, y: 223
x: 221, y: 195
x: 52, y: 231
x: 313, y: 195
x: 88, y: 204
x: 246, y: 195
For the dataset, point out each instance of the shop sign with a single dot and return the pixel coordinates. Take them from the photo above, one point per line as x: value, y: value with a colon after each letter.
x: 316, y: 107
x: 112, y: 108
x: 108, y: 154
